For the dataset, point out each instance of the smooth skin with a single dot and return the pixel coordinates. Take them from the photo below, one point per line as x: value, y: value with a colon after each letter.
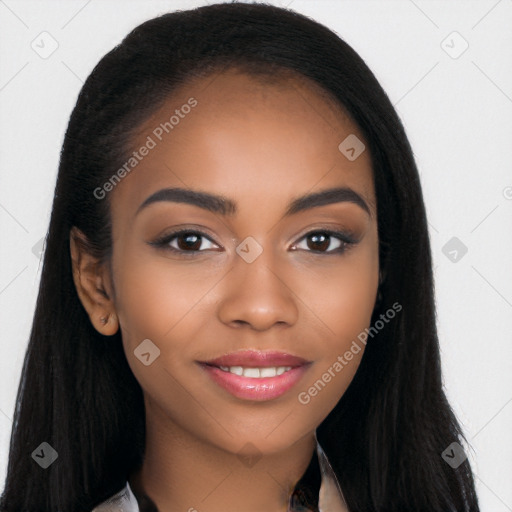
x: 261, y: 145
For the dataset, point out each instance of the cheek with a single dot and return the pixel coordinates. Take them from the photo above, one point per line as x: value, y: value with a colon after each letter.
x: 160, y: 300
x: 166, y: 301
x: 343, y: 302
x: 348, y: 305
x: 342, y: 292
x: 154, y: 294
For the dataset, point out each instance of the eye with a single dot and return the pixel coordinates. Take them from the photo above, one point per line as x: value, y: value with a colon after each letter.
x: 190, y: 242
x: 184, y: 241
x: 326, y: 241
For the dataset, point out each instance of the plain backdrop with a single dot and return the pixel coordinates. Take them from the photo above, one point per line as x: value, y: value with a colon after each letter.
x: 447, y: 68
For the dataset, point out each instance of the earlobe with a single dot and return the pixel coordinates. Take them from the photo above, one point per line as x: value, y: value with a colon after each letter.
x: 92, y: 283
x: 109, y: 324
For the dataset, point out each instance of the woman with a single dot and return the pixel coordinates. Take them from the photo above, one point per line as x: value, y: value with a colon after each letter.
x: 236, y: 308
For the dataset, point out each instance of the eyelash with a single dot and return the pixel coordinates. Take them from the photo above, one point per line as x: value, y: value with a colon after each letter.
x: 347, y: 241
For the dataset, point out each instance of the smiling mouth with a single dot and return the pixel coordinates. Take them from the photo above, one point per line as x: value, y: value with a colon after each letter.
x: 256, y: 359
x: 256, y: 375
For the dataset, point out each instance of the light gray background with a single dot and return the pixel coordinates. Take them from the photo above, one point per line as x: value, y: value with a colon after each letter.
x: 458, y: 116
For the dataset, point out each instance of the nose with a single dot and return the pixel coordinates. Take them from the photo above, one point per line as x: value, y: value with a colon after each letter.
x: 258, y: 295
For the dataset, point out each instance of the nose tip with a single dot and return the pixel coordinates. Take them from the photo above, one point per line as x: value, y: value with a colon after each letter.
x: 256, y: 296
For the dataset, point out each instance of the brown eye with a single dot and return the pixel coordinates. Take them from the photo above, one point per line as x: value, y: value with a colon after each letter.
x: 326, y: 242
x: 185, y: 241
x: 188, y: 241
x: 319, y: 242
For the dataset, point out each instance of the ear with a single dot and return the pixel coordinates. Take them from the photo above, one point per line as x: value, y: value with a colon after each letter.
x: 93, y: 284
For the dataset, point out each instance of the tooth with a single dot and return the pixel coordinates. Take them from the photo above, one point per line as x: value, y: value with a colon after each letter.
x: 268, y: 372
x: 237, y: 370
x: 251, y: 372
x: 256, y: 373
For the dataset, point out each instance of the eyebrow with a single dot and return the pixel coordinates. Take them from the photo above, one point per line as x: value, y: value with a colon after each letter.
x: 224, y: 206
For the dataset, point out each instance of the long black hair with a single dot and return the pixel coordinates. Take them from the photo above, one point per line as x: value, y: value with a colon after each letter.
x: 77, y: 393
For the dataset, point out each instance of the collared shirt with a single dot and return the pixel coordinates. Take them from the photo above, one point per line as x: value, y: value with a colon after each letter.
x: 317, y: 491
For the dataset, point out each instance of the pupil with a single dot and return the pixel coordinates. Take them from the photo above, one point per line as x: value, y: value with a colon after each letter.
x: 323, y: 245
x: 191, y: 241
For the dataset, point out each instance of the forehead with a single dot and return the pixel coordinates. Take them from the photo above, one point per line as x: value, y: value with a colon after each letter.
x: 261, y: 141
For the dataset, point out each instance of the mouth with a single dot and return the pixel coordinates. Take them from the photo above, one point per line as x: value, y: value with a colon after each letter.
x: 255, y: 375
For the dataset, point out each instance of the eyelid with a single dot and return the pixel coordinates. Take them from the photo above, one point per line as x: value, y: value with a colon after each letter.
x: 346, y: 236
x: 163, y: 240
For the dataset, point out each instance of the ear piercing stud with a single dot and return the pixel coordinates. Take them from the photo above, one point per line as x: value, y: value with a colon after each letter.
x: 104, y: 319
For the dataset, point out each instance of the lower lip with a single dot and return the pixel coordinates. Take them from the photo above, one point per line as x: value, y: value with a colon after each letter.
x: 248, y: 388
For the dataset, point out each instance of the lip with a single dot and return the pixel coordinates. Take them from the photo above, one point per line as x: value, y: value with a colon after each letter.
x: 257, y: 359
x: 256, y: 389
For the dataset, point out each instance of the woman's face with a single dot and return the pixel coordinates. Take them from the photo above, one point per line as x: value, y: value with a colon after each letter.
x: 247, y: 275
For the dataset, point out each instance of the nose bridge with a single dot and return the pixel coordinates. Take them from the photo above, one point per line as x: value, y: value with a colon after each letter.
x: 256, y: 293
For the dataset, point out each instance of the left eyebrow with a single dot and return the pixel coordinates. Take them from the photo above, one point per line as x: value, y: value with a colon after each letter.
x: 325, y: 197
x: 227, y: 207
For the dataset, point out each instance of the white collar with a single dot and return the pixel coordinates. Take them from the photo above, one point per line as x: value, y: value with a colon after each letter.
x: 330, y: 496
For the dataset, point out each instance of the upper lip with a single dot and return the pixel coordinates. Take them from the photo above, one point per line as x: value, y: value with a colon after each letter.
x: 257, y: 359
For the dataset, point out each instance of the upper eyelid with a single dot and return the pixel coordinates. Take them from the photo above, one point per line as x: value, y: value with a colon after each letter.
x: 334, y: 232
